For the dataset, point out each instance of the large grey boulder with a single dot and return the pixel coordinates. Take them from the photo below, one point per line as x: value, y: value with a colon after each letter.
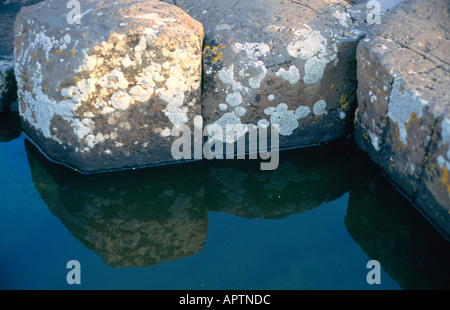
x: 279, y: 62
x: 403, y: 116
x: 105, y: 93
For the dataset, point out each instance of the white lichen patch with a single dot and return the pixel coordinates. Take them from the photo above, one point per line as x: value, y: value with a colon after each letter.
x: 314, y: 68
x: 231, y: 128
x: 255, y: 81
x: 445, y: 134
x: 319, y: 107
x: 343, y: 18
x: 307, y: 44
x: 402, y: 106
x: 284, y: 118
x: 311, y: 45
x: 375, y: 140
x: 302, y: 112
x: 234, y: 99
x: 292, y: 75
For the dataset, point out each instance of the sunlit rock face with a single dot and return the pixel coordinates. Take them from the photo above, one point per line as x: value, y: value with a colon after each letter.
x: 403, y: 117
x: 133, y: 218
x: 104, y: 91
x: 284, y: 63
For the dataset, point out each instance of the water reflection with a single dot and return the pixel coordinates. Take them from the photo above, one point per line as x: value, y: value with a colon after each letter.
x: 135, y: 218
x: 148, y: 216
x: 10, y: 127
x: 389, y: 230
x: 304, y: 180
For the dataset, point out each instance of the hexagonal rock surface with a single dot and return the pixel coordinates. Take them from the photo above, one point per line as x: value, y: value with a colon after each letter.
x: 289, y: 63
x: 104, y: 93
x: 403, y: 116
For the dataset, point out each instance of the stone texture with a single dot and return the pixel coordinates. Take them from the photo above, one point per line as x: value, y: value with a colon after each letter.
x: 8, y: 12
x: 289, y: 63
x: 105, y: 93
x: 403, y: 115
x: 129, y: 218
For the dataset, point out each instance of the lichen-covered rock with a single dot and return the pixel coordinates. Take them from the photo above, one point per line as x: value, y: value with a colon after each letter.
x: 104, y: 93
x: 403, y: 117
x: 129, y: 218
x: 285, y: 63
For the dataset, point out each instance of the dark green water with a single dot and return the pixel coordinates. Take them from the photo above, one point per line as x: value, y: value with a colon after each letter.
x: 313, y: 223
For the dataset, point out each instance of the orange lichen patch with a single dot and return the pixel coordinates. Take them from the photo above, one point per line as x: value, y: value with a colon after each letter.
x: 397, y: 133
x: 73, y: 53
x: 214, y: 52
x: 414, y: 117
x: 59, y: 51
x: 344, y: 102
x: 379, y: 91
x: 218, y: 57
x: 445, y: 179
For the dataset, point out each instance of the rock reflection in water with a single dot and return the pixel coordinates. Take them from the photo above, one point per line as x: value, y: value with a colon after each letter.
x: 390, y: 230
x: 129, y: 218
x: 305, y: 179
x: 147, y: 216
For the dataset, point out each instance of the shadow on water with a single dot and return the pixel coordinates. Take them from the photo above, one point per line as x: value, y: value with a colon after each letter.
x: 10, y: 127
x: 148, y: 216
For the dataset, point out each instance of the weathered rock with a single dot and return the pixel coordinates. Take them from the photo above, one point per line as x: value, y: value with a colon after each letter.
x: 289, y: 63
x: 8, y: 89
x: 104, y: 93
x: 403, y: 117
x: 129, y: 218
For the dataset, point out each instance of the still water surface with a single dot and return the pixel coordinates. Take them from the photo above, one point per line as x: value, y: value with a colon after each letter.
x: 313, y: 223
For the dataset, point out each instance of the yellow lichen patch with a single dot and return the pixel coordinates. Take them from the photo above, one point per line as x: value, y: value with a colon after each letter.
x: 445, y: 179
x: 218, y: 57
x: 332, y: 85
x: 344, y: 102
x: 397, y: 133
x: 214, y: 52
